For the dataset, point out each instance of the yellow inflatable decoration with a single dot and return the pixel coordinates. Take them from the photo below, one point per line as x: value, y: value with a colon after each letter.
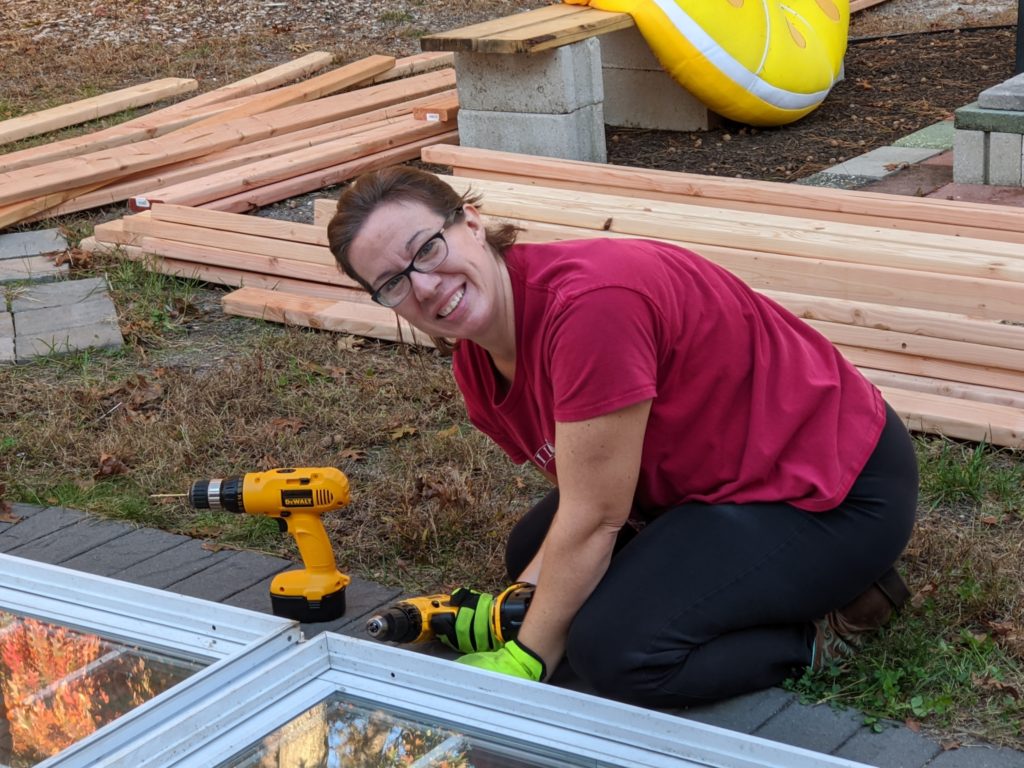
x: 760, y: 62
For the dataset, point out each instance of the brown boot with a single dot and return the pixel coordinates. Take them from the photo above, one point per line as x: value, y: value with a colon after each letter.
x: 842, y: 631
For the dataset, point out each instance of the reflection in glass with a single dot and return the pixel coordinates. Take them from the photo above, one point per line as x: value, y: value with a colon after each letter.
x: 58, y: 685
x: 337, y: 733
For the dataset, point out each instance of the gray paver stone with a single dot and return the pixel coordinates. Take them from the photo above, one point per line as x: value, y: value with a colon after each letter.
x: 98, y: 309
x: 6, y: 324
x: 819, y: 728
x: 362, y: 600
x: 136, y: 546
x: 95, y: 335
x: 58, y: 294
x: 35, y: 243
x: 744, y: 713
x: 30, y: 268
x: 71, y: 541
x: 6, y: 337
x: 882, y: 161
x: 936, y: 136
x: 895, y: 747
x: 835, y: 180
x: 228, y: 575
x: 1007, y: 95
x: 978, y: 757
x: 170, y: 566
x: 42, y: 523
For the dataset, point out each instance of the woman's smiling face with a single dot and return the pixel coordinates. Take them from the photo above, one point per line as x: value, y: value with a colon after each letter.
x: 458, y: 299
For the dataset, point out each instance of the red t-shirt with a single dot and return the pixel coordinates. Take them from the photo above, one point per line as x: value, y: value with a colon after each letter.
x: 749, y: 403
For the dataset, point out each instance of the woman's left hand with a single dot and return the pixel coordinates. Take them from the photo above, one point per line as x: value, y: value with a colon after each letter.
x: 512, y: 659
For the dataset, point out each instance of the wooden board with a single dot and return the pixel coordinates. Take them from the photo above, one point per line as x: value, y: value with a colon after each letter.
x: 872, y: 208
x: 93, y: 108
x: 529, y: 32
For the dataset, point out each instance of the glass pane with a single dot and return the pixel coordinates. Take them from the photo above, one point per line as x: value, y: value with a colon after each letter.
x: 58, y: 685
x: 338, y: 733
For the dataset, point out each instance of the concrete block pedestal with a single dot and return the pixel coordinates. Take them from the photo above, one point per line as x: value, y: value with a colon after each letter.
x: 988, y: 147
x: 555, y: 103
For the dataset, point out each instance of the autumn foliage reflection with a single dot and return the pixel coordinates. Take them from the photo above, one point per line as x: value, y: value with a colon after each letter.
x: 57, y: 686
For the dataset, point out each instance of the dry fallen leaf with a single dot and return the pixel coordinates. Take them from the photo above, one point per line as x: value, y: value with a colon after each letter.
x: 287, y: 424
x: 6, y: 510
x: 110, y: 466
x: 401, y: 432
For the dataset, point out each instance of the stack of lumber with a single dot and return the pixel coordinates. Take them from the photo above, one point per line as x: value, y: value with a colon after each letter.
x: 241, y: 146
x: 934, y: 318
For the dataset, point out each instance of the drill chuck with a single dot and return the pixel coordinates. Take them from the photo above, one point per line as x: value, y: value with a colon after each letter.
x: 220, y: 493
x: 400, y: 623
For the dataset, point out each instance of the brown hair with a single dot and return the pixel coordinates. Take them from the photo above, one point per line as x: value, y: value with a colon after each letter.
x: 398, y: 184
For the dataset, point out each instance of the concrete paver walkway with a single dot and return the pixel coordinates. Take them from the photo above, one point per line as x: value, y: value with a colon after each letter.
x: 180, y: 564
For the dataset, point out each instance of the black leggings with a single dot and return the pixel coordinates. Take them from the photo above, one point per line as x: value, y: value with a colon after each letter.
x: 709, y: 601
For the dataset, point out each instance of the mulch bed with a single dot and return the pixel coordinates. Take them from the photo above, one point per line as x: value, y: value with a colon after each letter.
x: 892, y: 87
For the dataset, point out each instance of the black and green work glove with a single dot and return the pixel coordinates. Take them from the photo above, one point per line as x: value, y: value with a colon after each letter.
x: 471, y: 630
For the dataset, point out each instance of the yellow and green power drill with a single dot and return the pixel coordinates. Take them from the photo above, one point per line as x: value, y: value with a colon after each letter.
x: 296, y: 497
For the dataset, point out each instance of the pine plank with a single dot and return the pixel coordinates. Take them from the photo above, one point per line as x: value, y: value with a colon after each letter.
x: 998, y: 300
x: 879, y: 209
x: 976, y: 392
x: 416, y: 64
x: 793, y: 235
x: 308, y: 90
x: 234, y: 157
x: 93, y: 108
x: 163, y: 120
x: 957, y: 418
x: 341, y: 316
x: 276, y: 229
x: 943, y: 370
x: 143, y: 224
x: 528, y: 32
x: 193, y: 141
x: 325, y: 177
x: 443, y: 109
x: 214, y: 274
x: 376, y: 138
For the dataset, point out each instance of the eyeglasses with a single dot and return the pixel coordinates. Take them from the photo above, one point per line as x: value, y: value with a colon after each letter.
x: 429, y: 257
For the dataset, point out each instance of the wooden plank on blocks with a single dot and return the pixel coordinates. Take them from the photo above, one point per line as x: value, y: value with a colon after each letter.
x: 142, y: 224
x: 324, y: 177
x: 442, y: 110
x: 344, y: 316
x: 307, y: 90
x: 528, y: 32
x: 376, y: 138
x: 93, y: 108
x: 958, y: 418
x: 860, y: 5
x: 161, y: 121
x: 192, y: 141
x: 879, y: 209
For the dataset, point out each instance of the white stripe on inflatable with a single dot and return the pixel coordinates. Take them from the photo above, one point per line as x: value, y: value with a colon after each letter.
x: 767, y: 37
x: 731, y: 68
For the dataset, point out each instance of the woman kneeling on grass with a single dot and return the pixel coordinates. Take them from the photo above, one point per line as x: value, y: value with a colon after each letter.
x: 730, y: 493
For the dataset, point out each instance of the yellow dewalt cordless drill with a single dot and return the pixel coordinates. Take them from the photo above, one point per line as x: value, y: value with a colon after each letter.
x: 296, y: 497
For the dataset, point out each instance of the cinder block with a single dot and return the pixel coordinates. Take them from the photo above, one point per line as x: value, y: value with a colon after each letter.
x: 627, y: 49
x: 578, y: 135
x: 559, y: 81
x: 1004, y: 159
x: 970, y: 156
x: 57, y: 294
x: 1008, y: 95
x: 637, y: 98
